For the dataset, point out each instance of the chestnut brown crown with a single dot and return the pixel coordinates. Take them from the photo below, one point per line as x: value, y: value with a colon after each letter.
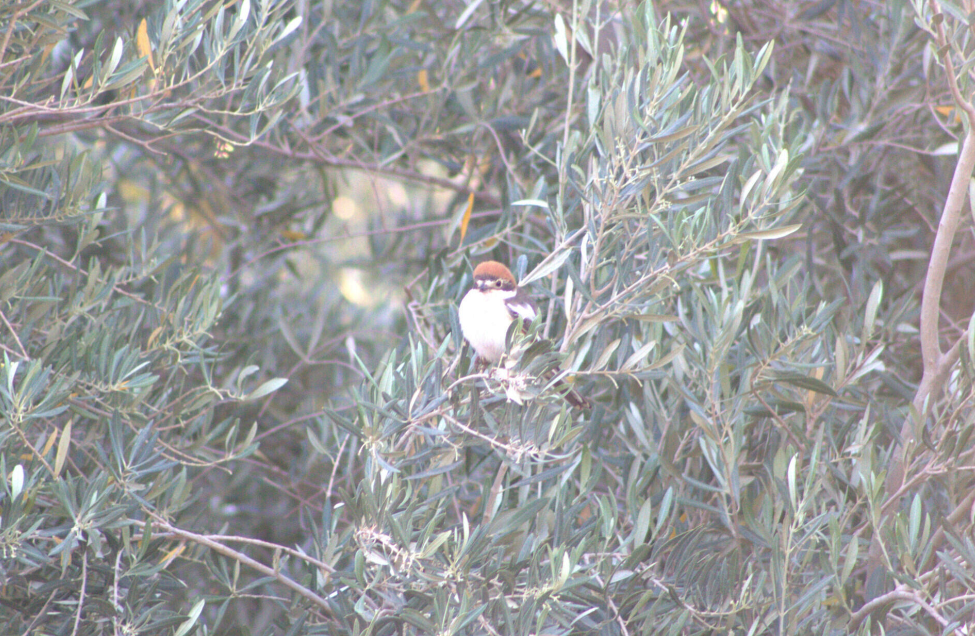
x: 493, y: 270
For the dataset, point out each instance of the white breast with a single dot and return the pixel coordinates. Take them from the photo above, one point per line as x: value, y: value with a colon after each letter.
x: 484, y: 319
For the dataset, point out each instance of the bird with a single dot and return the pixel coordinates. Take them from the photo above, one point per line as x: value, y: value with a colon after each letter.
x: 487, y: 311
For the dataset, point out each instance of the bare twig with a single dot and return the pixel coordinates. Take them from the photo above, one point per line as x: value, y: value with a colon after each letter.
x: 212, y: 543
x: 17, y: 15
x: 81, y: 592
x: 23, y: 351
x: 902, y: 593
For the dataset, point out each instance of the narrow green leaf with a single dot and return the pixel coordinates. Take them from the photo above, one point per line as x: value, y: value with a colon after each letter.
x: 467, y: 13
x: 664, y: 512
x: 839, y: 355
x: 639, y: 355
x: 605, y: 355
x: 914, y: 524
x: 642, y: 523
x: 781, y: 161
x: 805, y: 382
x: 536, y: 202
x: 766, y: 235
x: 674, y: 136
x: 560, y: 37
x: 747, y: 188
x: 268, y: 387
x: 852, y: 551
x: 69, y: 9
x: 16, y: 482
x: 66, y: 82
x: 191, y: 618
x: 63, y: 445
x: 667, y: 358
x: 546, y: 267
x: 113, y: 60
x: 651, y: 317
x: 870, y: 312
x: 243, y: 12
x: 287, y: 30
x: 705, y: 165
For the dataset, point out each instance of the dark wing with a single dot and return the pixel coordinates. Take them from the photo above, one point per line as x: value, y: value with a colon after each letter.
x: 521, y: 306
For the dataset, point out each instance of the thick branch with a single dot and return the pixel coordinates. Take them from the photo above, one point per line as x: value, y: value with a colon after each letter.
x: 938, y: 265
x: 936, y: 363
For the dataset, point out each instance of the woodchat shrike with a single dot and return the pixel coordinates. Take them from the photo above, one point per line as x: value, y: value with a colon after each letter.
x: 489, y: 308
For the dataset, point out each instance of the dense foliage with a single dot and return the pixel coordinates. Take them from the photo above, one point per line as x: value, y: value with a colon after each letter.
x: 234, y: 395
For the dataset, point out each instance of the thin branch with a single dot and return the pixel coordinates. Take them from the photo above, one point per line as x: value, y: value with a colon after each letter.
x: 81, y: 592
x: 314, y: 155
x: 17, y: 15
x: 220, y: 548
x: 85, y: 273
x: 23, y: 351
x: 344, y: 237
x: 900, y: 594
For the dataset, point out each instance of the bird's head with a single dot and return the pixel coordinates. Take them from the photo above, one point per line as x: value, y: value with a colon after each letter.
x: 492, y: 275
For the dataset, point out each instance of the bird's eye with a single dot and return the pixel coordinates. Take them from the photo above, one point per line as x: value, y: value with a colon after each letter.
x: 497, y: 283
